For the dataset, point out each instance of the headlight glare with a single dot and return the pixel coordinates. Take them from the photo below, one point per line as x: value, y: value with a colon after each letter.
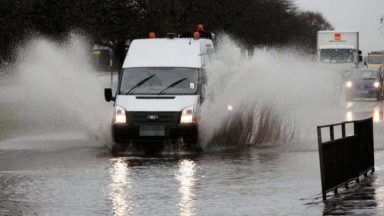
x: 349, y: 84
x: 120, y: 117
x: 376, y: 84
x: 230, y: 107
x: 187, y: 116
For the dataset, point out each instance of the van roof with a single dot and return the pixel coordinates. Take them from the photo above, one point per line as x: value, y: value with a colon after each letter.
x: 165, y: 52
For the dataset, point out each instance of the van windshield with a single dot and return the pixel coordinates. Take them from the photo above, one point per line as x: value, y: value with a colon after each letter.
x: 336, y: 55
x: 159, y: 80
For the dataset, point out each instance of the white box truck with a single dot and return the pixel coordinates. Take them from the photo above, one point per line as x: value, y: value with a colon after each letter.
x: 161, y: 87
x: 339, y: 48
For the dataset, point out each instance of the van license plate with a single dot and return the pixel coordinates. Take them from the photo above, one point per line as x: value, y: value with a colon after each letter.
x: 152, y: 130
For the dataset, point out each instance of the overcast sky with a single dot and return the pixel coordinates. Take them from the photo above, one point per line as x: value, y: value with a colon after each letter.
x: 361, y: 15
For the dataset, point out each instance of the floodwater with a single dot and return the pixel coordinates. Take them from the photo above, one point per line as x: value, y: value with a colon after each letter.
x: 78, y: 180
x: 67, y: 174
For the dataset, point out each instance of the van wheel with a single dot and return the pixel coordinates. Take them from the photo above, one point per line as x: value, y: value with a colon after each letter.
x: 192, y: 145
x: 151, y: 148
x: 378, y: 97
x: 117, y: 148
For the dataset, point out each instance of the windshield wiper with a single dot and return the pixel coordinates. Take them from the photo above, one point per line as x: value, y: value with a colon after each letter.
x: 172, y: 85
x: 141, y: 82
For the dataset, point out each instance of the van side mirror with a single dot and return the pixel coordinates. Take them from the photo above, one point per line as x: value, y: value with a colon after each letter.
x: 108, y: 95
x: 360, y: 52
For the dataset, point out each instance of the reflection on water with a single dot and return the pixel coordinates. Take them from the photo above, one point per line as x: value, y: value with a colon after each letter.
x: 379, y: 196
x: 377, y: 115
x: 349, y: 116
x: 187, y: 179
x: 360, y: 199
x: 349, y: 104
x: 119, y: 187
x: 360, y: 110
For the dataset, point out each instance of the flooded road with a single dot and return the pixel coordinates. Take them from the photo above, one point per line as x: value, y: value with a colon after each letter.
x: 69, y: 174
x: 87, y: 181
x: 76, y: 178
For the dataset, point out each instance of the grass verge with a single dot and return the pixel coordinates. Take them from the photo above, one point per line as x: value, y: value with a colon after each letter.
x: 8, y: 121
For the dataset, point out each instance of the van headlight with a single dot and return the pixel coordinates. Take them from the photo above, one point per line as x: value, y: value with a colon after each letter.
x: 119, y: 116
x: 376, y: 84
x: 230, y: 107
x: 349, y: 84
x: 187, y: 116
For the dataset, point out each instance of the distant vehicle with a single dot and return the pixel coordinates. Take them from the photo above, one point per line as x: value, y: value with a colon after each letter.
x: 375, y: 60
x: 103, y: 58
x: 161, y: 87
x: 364, y: 83
x: 339, y: 50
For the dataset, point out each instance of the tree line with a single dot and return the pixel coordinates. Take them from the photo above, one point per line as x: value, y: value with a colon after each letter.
x: 112, y: 22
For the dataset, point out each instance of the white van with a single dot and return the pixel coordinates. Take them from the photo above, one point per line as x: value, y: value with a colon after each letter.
x: 161, y: 87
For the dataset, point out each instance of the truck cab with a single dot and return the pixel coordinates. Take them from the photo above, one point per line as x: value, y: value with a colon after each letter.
x: 339, y: 50
x: 338, y: 47
x: 161, y: 86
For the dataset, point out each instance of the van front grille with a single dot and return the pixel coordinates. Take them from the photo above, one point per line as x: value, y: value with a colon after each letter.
x: 154, y: 118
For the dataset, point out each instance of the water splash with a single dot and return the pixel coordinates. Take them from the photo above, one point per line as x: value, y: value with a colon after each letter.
x: 275, y: 95
x: 58, y: 90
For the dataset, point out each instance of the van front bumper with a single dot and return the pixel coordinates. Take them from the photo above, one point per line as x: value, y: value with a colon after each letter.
x: 125, y: 133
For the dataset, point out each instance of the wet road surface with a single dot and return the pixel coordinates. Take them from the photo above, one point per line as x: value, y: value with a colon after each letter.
x: 69, y: 174
x: 76, y: 178
x: 87, y: 181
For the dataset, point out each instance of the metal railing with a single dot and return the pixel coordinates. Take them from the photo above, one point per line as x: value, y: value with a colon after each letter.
x: 345, y: 159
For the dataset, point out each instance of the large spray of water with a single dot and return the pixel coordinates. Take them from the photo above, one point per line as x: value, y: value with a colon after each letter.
x: 58, y: 90
x: 276, y: 95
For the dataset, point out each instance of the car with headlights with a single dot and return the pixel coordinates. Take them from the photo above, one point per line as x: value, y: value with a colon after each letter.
x: 365, y: 83
x: 161, y: 86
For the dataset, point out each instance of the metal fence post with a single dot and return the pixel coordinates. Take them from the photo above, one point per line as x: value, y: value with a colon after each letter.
x: 331, y: 133
x: 319, y: 140
x: 371, y: 144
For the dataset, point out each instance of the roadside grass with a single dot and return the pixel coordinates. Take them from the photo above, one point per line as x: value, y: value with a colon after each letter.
x: 8, y: 121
